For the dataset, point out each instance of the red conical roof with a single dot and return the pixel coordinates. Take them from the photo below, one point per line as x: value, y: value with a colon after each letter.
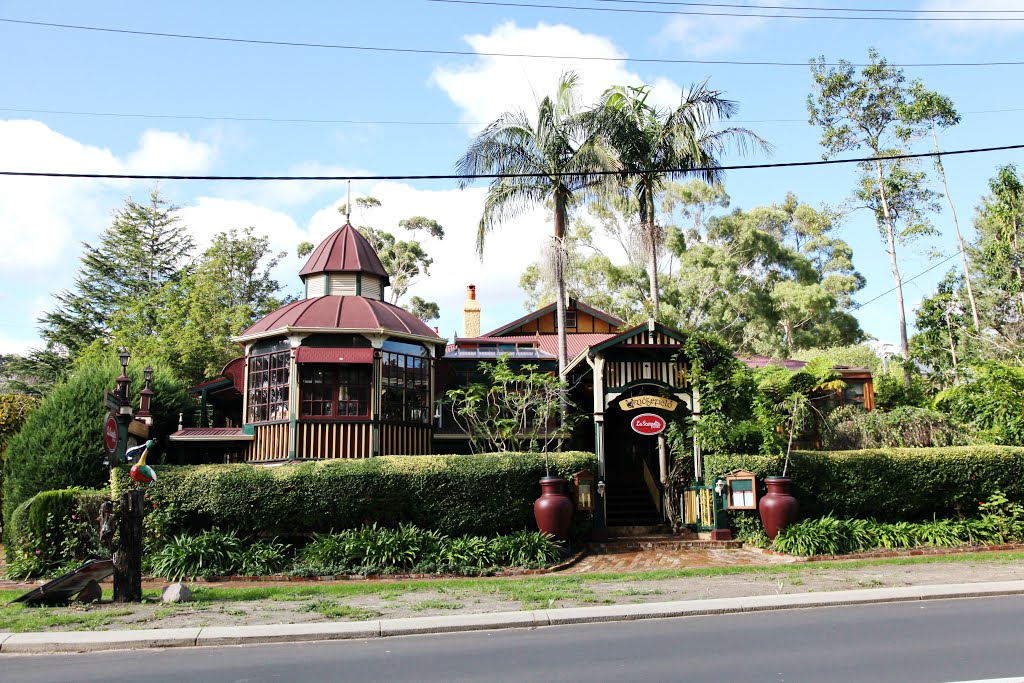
x: 345, y: 251
x: 350, y: 313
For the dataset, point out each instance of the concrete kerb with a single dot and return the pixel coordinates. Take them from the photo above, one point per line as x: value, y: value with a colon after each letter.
x: 82, y: 641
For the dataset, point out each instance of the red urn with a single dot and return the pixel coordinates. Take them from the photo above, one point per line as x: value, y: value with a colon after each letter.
x: 553, y: 510
x: 778, y: 507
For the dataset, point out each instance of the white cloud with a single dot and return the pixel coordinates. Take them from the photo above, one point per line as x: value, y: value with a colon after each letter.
x: 704, y: 37
x: 492, y: 85
x: 978, y: 29
x: 164, y: 153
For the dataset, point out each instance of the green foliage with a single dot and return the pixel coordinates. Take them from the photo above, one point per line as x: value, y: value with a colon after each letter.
x: 746, y: 526
x: 471, y: 494
x: 1002, y: 521
x: 14, y: 409
x: 376, y: 550
x: 991, y: 402
x: 890, y: 484
x: 53, y: 532
x: 61, y: 444
x: 261, y: 558
x: 211, y: 553
x: 513, y: 409
x: 851, y: 428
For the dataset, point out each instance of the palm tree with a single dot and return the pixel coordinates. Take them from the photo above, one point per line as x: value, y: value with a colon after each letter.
x: 654, y: 146
x: 550, y: 158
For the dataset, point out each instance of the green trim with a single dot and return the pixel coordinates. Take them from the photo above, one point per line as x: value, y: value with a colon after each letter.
x: 249, y: 430
x: 638, y: 330
x: 359, y: 284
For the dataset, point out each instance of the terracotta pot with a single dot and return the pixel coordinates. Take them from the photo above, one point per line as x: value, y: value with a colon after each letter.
x: 553, y: 510
x: 778, y: 507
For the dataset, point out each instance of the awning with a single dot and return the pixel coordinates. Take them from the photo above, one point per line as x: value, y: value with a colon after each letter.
x: 309, y: 354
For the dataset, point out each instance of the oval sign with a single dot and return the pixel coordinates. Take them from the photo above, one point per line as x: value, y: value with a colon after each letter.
x: 110, y: 434
x: 648, y: 424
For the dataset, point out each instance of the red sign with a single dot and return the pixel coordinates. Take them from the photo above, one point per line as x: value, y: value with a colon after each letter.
x: 648, y: 424
x: 110, y: 434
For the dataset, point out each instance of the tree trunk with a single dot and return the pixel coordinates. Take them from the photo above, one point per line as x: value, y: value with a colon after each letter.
x: 890, y: 232
x: 952, y: 346
x: 128, y: 555
x: 563, y: 353
x: 959, y: 236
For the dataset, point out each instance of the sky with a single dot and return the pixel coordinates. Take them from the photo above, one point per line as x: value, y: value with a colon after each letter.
x: 101, y: 101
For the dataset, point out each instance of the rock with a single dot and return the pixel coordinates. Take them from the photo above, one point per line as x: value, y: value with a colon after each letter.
x: 176, y: 592
x: 91, y: 593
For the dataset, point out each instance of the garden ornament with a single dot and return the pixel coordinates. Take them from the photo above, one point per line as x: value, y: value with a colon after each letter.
x: 140, y: 471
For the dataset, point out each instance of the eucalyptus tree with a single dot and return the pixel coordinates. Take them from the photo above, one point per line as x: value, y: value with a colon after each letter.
x: 654, y: 146
x: 549, y: 157
x: 871, y: 112
x: 937, y: 112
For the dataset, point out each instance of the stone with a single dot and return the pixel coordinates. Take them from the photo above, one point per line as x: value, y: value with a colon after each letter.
x: 91, y: 593
x: 176, y: 592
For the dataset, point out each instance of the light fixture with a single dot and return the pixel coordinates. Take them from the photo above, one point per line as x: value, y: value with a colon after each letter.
x: 147, y: 374
x: 125, y: 357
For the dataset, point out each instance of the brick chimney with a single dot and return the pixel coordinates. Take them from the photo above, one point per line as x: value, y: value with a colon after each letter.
x: 471, y: 314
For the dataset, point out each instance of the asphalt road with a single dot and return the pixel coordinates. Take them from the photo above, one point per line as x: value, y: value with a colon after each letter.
x: 949, y: 640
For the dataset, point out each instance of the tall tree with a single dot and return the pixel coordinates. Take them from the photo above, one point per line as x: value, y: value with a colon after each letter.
x: 654, y: 146
x: 143, y: 248
x: 869, y: 112
x: 550, y: 158
x: 937, y: 112
x: 404, y: 260
x: 229, y: 289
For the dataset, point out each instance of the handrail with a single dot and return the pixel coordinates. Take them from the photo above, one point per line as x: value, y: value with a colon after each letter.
x: 652, y: 487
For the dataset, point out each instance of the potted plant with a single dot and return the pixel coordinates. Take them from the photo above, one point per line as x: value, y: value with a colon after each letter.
x: 778, y: 508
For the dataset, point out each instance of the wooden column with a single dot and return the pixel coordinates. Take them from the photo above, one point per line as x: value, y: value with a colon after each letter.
x: 128, y: 555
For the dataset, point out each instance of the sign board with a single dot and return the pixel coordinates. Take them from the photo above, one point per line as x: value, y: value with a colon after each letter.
x: 648, y: 424
x: 110, y: 434
x: 112, y: 401
x: 648, y: 402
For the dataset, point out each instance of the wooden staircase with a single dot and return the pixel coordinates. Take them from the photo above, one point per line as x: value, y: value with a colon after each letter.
x: 629, y: 504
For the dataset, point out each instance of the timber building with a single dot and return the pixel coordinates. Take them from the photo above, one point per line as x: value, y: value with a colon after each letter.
x: 342, y: 374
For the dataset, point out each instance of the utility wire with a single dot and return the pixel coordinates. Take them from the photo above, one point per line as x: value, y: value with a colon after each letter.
x: 698, y: 13
x: 472, y: 53
x: 816, y: 9
x: 367, y: 122
x: 450, y: 176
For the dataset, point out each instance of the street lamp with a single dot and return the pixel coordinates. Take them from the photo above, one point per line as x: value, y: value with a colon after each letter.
x: 146, y: 396
x: 123, y: 381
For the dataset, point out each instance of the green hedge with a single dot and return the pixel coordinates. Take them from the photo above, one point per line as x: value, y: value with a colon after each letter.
x: 456, y: 494
x: 53, y: 531
x: 890, y: 484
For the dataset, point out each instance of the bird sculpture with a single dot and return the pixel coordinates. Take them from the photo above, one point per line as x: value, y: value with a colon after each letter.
x: 140, y: 471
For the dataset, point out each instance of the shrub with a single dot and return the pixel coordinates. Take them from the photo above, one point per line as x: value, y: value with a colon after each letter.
x: 1001, y: 522
x: 14, y: 409
x: 60, y: 445
x: 262, y: 558
x: 53, y: 532
x: 991, y: 402
x: 890, y: 484
x: 851, y: 428
x: 524, y: 549
x: 211, y: 553
x: 466, y: 494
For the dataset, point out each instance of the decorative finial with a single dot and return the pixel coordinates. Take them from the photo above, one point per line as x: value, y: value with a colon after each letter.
x: 348, y: 205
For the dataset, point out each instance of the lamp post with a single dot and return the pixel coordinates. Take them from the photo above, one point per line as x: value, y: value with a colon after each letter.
x: 146, y: 397
x: 123, y: 382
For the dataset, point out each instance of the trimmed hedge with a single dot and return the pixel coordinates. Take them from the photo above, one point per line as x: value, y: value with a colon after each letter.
x: 890, y: 484
x: 53, y: 530
x: 457, y: 494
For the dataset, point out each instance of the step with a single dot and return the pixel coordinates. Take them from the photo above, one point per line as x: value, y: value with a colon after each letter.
x: 654, y: 543
x: 647, y: 530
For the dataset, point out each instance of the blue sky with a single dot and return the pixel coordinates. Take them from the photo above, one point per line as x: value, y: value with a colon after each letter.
x: 44, y: 221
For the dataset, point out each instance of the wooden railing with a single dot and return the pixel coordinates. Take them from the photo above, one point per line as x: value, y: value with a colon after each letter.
x: 330, y: 440
x: 270, y: 442
x: 652, y: 487
x: 405, y: 439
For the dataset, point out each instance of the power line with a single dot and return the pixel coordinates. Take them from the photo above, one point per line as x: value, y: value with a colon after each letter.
x: 697, y: 13
x: 471, y: 53
x: 449, y: 176
x: 367, y: 122
x: 817, y: 9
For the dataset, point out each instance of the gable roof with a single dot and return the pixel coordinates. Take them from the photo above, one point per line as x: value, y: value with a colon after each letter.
x: 541, y: 312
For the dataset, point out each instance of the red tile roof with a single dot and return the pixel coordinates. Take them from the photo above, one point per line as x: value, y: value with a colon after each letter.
x: 342, y: 313
x: 758, y: 361
x: 344, y: 251
x: 211, y: 434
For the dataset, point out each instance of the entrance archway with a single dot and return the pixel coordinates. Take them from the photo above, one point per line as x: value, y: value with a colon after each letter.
x: 634, y: 492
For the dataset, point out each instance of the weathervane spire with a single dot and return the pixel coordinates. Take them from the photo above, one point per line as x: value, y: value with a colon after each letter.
x: 348, y: 205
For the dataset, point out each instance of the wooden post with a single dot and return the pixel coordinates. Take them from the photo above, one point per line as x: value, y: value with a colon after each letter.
x: 128, y: 554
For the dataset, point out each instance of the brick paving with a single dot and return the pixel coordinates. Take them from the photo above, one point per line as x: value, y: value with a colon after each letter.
x: 671, y: 558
